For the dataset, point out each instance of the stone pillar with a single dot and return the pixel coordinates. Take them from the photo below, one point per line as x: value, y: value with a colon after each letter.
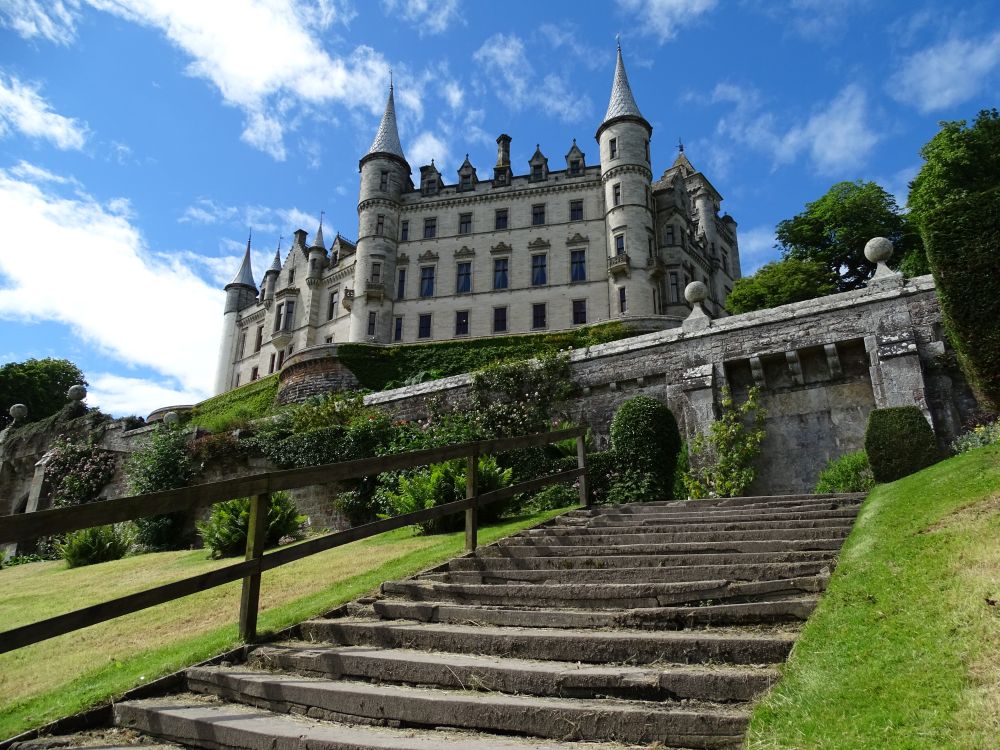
x: 698, y: 386
x: 897, y: 378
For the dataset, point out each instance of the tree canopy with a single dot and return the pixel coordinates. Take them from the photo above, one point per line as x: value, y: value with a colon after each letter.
x: 39, y: 384
x: 834, y: 229
x: 781, y: 282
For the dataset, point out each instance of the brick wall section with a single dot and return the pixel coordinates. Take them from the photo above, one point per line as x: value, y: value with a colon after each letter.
x: 300, y: 380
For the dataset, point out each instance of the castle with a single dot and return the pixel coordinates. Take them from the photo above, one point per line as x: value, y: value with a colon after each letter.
x: 507, y: 254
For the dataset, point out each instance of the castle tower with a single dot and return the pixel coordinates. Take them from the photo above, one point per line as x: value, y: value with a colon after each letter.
x: 626, y: 177
x: 385, y: 175
x: 241, y: 292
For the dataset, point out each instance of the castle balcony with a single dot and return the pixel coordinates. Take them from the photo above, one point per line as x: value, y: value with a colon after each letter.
x: 655, y: 266
x: 619, y: 265
x: 281, y: 338
x: 348, y: 299
x: 374, y: 290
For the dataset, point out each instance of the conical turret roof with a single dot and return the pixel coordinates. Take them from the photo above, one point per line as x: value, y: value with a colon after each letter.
x: 387, y: 138
x: 276, y: 263
x: 245, y: 275
x: 318, y: 239
x: 622, y: 102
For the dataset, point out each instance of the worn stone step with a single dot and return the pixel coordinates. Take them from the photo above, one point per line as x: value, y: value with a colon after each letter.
x: 495, y: 561
x: 730, y: 502
x: 692, y: 725
x: 665, y: 515
x: 736, y: 646
x: 198, y: 721
x: 694, y: 525
x: 790, y: 610
x: 521, y: 676
x: 672, y: 548
x: 668, y: 537
x: 662, y: 574
x: 720, y: 510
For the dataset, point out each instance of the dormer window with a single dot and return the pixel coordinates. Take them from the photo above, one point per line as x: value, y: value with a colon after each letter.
x: 574, y: 167
x: 536, y: 172
x: 466, y: 182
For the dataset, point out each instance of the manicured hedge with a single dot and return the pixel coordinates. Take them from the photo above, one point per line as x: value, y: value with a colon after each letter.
x: 899, y: 442
x: 644, y: 434
x: 962, y: 238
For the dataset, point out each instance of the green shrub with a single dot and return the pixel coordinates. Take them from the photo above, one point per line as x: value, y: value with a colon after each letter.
x: 162, y: 463
x: 849, y: 473
x: 362, y: 505
x: 225, y: 532
x: 635, y: 486
x: 77, y: 472
x: 237, y: 407
x: 96, y: 545
x: 683, y: 467
x: 899, y: 442
x: 554, y: 496
x: 602, y: 467
x: 644, y: 430
x: 987, y: 433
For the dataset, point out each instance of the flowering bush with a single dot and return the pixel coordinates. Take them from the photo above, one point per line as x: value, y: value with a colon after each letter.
x: 980, y: 435
x: 77, y: 472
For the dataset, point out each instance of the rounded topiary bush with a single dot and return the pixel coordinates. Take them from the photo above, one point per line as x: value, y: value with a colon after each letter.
x: 644, y: 435
x: 899, y: 442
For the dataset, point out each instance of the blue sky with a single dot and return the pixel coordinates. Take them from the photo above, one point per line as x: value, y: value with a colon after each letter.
x: 141, y: 139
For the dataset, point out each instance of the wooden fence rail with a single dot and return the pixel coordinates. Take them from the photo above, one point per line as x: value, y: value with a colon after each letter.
x: 259, y: 487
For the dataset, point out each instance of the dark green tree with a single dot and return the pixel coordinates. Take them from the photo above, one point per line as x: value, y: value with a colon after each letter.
x: 781, y: 282
x: 39, y: 384
x: 834, y: 229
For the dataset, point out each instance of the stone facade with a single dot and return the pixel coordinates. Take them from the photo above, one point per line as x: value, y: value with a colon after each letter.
x: 569, y: 243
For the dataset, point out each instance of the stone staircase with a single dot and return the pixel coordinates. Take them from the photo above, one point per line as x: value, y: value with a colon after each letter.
x: 654, y: 624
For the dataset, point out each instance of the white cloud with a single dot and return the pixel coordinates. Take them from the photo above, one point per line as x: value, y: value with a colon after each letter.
x: 121, y: 395
x: 823, y: 21
x: 427, y: 146
x: 757, y: 247
x: 34, y: 173
x: 102, y: 280
x: 949, y: 73
x: 429, y: 16
x: 662, y: 18
x: 208, y: 212
x: 53, y: 20
x: 22, y: 109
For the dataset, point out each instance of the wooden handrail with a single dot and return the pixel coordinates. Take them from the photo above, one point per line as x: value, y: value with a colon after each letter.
x: 256, y: 562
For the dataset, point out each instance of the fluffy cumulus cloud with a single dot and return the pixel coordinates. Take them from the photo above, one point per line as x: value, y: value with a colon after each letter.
x: 663, y: 18
x: 208, y: 212
x: 427, y: 16
x: 940, y: 76
x: 427, y: 146
x: 22, y: 109
x: 148, y: 310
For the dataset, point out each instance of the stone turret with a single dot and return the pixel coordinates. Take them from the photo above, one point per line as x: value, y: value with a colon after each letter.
x: 241, y: 292
x: 626, y: 176
x: 271, y: 276
x: 385, y: 175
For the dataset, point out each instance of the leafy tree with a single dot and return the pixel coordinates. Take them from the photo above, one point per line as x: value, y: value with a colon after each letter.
x: 39, y: 384
x: 781, y: 282
x: 834, y: 229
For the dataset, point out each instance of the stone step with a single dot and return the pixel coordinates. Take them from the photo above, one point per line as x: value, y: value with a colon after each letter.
x: 495, y: 561
x: 736, y: 646
x: 673, y: 548
x: 692, y: 525
x: 663, y: 574
x: 608, y: 719
x: 585, y: 515
x: 730, y: 502
x: 721, y: 510
x: 636, y: 536
x: 197, y: 721
x: 520, y: 676
x: 789, y: 610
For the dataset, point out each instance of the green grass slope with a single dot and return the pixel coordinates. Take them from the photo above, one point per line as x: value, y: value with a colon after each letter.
x: 904, y: 650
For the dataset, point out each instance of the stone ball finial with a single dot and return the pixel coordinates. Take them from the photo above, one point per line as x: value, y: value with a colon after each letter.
x: 878, y: 249
x: 18, y: 412
x: 695, y: 292
x: 76, y: 393
x: 170, y: 418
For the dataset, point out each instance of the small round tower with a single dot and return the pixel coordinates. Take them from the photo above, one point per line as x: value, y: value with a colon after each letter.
x: 241, y: 292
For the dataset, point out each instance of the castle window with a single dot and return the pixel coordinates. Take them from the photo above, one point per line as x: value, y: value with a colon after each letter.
x: 328, y: 340
x: 430, y: 228
x: 397, y: 328
x: 243, y: 344
x: 622, y: 300
x: 376, y: 273
x: 646, y: 144
x: 668, y: 232
x: 291, y: 276
x: 466, y: 181
x: 331, y: 310
x: 617, y: 192
x: 401, y: 283
x: 404, y: 231
x: 576, y: 210
x: 270, y: 367
x: 578, y: 265
x: 499, y: 320
x: 579, y: 312
x: 424, y: 326
x: 383, y: 182
x: 613, y: 148
x: 725, y: 262
x: 649, y: 242
x: 538, y: 315
x: 380, y: 225
x: 279, y: 315
x: 462, y: 323
x: 255, y: 373
x: 501, y: 279
x: 500, y: 221
x: 372, y: 321
x: 281, y: 358
x: 465, y: 223
x: 538, y: 270
x: 536, y: 172
x: 538, y: 214
x: 619, y: 244
x: 463, y: 278
x: 289, y: 315
x: 574, y: 166
x: 427, y: 281
x: 259, y: 341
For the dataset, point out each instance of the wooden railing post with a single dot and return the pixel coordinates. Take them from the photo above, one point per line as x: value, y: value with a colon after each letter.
x: 581, y: 463
x: 471, y: 491
x: 250, y: 597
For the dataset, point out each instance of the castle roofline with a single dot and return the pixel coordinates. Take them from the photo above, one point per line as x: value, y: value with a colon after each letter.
x: 622, y: 106
x: 244, y: 277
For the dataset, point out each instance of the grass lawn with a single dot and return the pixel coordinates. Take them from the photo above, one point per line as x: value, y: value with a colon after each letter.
x: 904, y: 650
x: 64, y: 675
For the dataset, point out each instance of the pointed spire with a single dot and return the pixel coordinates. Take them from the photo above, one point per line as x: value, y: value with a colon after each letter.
x: 245, y: 275
x: 318, y: 241
x: 387, y: 138
x: 622, y: 102
x: 276, y: 263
